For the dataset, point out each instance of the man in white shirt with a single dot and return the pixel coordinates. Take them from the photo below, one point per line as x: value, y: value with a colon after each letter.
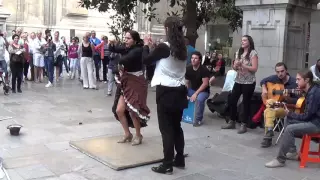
x: 38, y: 56
x: 315, y: 69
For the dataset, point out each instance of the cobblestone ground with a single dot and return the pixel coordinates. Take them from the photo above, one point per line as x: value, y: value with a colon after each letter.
x: 50, y: 119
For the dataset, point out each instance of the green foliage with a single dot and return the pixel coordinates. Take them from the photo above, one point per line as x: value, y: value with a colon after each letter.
x: 205, y: 10
x: 210, y: 10
x: 124, y: 10
x: 120, y: 24
x: 230, y: 12
x: 194, y: 12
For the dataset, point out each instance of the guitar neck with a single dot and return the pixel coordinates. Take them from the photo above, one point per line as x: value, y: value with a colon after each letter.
x: 291, y: 106
x: 281, y: 92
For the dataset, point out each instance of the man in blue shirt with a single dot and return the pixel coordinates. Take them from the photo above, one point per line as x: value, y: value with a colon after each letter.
x: 270, y: 114
x: 96, y: 57
x: 190, y: 50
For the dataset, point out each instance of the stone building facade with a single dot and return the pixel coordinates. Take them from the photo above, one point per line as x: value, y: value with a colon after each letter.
x: 63, y: 15
x: 283, y: 31
x: 156, y: 28
x: 71, y: 20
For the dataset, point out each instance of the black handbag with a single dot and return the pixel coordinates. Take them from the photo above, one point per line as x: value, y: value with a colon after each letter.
x: 17, y: 58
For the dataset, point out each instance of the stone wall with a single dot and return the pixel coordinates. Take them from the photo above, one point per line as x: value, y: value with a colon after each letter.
x: 71, y: 20
x: 314, y: 46
x: 279, y: 30
x: 63, y: 15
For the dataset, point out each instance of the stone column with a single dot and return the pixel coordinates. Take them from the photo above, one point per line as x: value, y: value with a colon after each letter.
x: 4, y: 14
x: 314, y: 47
x: 279, y: 30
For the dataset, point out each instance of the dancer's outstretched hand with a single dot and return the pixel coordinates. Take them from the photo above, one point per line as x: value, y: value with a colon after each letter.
x: 147, y: 40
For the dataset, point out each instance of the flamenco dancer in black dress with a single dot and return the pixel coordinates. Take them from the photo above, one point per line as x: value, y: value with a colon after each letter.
x: 171, y: 92
x: 130, y: 105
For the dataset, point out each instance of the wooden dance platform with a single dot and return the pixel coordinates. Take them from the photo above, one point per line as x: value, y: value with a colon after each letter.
x: 121, y: 156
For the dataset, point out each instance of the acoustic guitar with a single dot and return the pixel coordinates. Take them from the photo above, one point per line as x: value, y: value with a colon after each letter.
x: 277, y: 92
x: 271, y: 88
x: 299, y: 105
x: 289, y: 106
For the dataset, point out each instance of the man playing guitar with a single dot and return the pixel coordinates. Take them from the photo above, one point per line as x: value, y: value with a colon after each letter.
x: 271, y: 113
x: 299, y: 124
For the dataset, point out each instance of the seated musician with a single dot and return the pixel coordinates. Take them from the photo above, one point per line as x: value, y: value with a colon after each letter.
x: 197, y: 81
x: 270, y: 114
x: 298, y: 125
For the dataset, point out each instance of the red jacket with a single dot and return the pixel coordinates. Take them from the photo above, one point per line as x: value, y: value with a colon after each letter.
x: 100, y: 47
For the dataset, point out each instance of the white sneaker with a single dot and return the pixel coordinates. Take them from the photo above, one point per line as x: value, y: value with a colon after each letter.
x: 274, y: 164
x: 49, y: 85
x: 292, y: 156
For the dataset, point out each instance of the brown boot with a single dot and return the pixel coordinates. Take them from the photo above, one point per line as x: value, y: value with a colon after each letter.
x: 242, y: 129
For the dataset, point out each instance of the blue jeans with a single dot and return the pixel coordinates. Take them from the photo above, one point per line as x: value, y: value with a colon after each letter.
x: 97, y: 64
x: 200, y: 103
x: 65, y: 62
x: 4, y: 67
x: 48, y: 62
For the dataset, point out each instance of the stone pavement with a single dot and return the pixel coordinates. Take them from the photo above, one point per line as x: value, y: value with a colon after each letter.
x: 51, y: 119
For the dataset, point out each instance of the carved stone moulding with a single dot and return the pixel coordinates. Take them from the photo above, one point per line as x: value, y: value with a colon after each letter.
x: 302, y: 3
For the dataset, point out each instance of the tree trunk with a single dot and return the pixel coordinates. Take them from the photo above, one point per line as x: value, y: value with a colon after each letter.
x: 191, y: 22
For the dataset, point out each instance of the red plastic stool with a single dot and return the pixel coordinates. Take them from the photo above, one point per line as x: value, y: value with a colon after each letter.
x: 304, y: 150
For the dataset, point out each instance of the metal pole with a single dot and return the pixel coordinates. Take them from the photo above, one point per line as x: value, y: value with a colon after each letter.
x: 6, y: 173
x: 3, y: 169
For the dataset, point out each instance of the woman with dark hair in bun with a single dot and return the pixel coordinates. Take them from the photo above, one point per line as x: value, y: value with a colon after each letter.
x: 130, y: 106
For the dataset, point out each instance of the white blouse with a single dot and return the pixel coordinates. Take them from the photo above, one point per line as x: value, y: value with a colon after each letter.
x: 169, y: 72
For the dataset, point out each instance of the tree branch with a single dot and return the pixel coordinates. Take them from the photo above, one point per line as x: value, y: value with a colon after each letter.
x: 194, y: 13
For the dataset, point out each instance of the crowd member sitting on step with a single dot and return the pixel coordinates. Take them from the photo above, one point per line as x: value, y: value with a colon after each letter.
x: 197, y: 81
x: 299, y: 124
x: 270, y: 114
